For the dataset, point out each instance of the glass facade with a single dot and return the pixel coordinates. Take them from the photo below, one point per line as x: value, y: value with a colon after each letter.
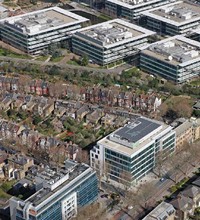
x: 122, y: 167
x: 35, y: 43
x: 166, y: 70
x: 87, y: 192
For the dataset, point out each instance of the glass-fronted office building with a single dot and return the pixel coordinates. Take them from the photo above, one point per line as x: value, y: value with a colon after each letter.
x: 176, y: 58
x: 131, y: 9
x: 58, y: 200
x: 35, y: 31
x: 173, y: 19
x: 128, y: 154
x: 110, y: 42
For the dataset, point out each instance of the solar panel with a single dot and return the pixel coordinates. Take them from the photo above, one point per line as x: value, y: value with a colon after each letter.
x: 137, y: 130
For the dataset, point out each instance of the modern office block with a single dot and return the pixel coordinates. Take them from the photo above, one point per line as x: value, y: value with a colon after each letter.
x: 35, y: 31
x: 129, y: 153
x: 110, y: 41
x: 131, y: 9
x: 176, y: 58
x: 173, y: 19
x: 58, y: 194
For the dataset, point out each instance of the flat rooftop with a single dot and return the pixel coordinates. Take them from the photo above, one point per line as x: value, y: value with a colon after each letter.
x: 43, y: 20
x: 133, y: 4
x: 137, y: 130
x: 178, y: 13
x: 113, y: 32
x: 45, y: 193
x: 134, y: 136
x: 177, y: 50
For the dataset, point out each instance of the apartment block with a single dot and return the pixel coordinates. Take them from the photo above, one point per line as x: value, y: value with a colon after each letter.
x: 129, y: 153
x: 176, y: 58
x: 110, y: 41
x: 35, y: 31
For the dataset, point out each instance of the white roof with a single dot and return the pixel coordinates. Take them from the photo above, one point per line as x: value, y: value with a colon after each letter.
x: 137, y: 31
x: 133, y: 6
x: 69, y: 19
x: 176, y: 22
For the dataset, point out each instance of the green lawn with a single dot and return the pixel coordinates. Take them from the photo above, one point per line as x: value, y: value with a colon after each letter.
x: 72, y: 62
x: 195, y: 83
x: 56, y: 59
x: 5, y: 187
x: 8, y: 53
x: 105, y: 17
x: 42, y: 58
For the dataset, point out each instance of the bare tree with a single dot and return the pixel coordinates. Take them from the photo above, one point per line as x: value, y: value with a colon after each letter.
x: 125, y: 179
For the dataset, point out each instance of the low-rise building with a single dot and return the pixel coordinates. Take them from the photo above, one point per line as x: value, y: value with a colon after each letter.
x: 35, y: 31
x: 164, y: 211
x: 110, y: 41
x: 17, y: 166
x: 180, y: 17
x: 58, y: 194
x: 184, y: 207
x: 184, y: 134
x: 176, y: 58
x: 129, y: 153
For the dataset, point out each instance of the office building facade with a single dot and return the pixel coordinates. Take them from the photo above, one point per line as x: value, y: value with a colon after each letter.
x: 173, y: 19
x: 131, y: 9
x: 58, y: 194
x: 128, y: 154
x: 176, y: 58
x: 110, y: 41
x: 35, y: 31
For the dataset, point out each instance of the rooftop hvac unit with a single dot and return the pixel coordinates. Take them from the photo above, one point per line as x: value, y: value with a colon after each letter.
x: 169, y: 58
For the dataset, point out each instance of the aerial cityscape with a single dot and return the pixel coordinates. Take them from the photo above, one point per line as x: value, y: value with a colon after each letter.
x: 99, y: 110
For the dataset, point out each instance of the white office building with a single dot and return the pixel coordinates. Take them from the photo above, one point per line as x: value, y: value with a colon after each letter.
x: 131, y: 9
x: 176, y: 58
x: 34, y: 31
x: 110, y: 41
x: 173, y: 19
x: 129, y: 153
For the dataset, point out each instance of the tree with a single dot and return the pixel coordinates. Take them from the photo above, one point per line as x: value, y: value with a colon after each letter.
x: 125, y: 179
x: 196, y: 113
x: 54, y: 70
x: 159, y: 162
x: 146, y: 192
x: 36, y: 119
x: 84, y: 60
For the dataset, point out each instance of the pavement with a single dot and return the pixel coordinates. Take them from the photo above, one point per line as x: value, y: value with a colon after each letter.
x: 117, y: 70
x: 162, y: 190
